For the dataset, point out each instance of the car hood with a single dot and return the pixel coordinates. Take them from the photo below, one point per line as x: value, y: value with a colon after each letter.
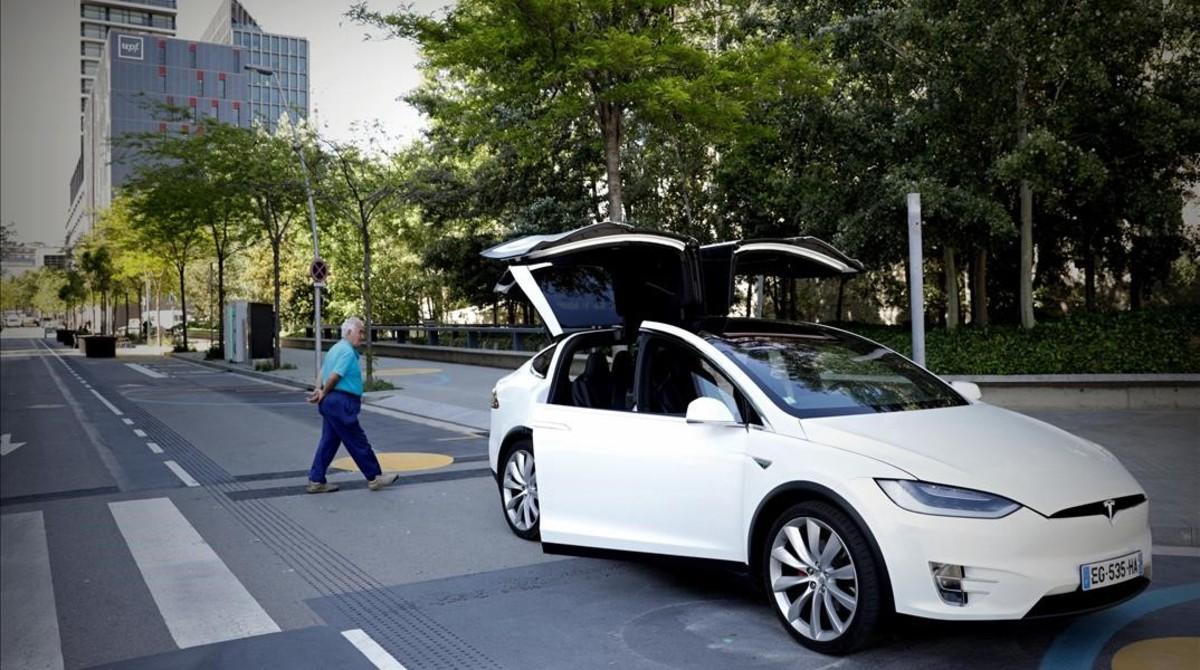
x: 984, y: 448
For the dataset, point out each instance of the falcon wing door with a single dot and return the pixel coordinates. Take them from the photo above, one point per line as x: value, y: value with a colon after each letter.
x: 602, y: 275
x: 793, y: 258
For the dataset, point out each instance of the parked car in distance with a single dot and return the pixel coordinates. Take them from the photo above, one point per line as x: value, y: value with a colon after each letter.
x: 852, y: 482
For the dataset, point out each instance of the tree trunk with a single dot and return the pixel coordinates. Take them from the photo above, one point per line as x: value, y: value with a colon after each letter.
x: 610, y: 128
x: 951, y: 270
x: 1025, y: 268
x: 221, y: 304
x: 366, y: 237
x: 275, y: 325
x: 979, y: 306
x: 183, y: 303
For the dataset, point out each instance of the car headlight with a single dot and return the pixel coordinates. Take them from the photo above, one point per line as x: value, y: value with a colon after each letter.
x: 941, y: 500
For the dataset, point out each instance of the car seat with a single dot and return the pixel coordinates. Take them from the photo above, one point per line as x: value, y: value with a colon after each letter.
x: 593, y: 388
x: 622, y: 379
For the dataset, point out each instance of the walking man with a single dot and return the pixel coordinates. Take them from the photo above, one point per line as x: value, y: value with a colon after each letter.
x: 339, y: 401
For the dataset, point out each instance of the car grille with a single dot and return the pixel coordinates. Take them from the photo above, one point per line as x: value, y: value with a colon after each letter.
x: 1080, y: 602
x: 1098, y: 509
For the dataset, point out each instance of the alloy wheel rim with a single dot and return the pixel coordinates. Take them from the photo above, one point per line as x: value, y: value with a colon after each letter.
x: 813, y: 579
x: 520, y: 490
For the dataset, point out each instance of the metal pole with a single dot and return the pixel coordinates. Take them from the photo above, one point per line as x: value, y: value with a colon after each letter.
x: 312, y: 221
x: 916, y: 282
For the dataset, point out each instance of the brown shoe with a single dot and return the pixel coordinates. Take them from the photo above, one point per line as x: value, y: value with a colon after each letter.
x: 320, y: 487
x: 381, y: 481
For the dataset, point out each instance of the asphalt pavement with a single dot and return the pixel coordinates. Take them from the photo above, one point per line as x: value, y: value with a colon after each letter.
x: 154, y: 516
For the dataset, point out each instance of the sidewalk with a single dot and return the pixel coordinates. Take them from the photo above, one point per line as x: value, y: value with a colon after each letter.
x: 447, y: 392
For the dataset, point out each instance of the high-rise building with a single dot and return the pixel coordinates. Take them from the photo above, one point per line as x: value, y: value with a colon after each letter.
x: 285, y: 55
x: 140, y: 73
x: 97, y: 17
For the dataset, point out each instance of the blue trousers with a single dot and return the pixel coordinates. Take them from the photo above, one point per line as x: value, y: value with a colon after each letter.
x: 339, y: 411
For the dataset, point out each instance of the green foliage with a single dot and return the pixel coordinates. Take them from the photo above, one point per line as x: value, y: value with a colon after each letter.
x: 378, y: 385
x: 1161, y: 340
x: 37, y: 291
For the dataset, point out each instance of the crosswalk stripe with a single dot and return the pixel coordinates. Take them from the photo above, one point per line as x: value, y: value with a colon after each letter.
x: 154, y: 447
x: 139, y: 432
x: 30, y: 622
x: 145, y: 370
x: 180, y: 473
x: 371, y: 649
x: 200, y: 599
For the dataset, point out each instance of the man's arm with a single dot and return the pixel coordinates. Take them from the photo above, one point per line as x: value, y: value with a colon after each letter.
x: 318, y: 395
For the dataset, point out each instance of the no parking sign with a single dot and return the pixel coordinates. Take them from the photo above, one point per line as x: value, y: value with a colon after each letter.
x: 319, y: 270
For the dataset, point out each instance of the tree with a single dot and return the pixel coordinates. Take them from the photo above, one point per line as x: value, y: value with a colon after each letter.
x: 71, y: 293
x: 269, y: 173
x: 95, y: 262
x: 169, y: 209
x: 531, y: 75
x: 359, y: 188
x: 1007, y: 114
x: 214, y: 157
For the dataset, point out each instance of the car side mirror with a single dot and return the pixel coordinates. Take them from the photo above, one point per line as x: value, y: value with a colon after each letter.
x: 968, y: 390
x: 709, y: 410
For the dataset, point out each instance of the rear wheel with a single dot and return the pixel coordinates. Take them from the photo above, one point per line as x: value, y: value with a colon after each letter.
x: 518, y: 491
x: 821, y: 578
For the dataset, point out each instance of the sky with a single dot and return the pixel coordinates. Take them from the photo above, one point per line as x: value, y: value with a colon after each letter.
x: 353, y: 81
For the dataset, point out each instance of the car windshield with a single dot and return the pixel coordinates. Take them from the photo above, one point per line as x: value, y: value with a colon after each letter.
x: 832, y: 374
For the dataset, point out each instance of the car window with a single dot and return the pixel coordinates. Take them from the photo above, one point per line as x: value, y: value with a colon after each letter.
x: 673, y: 375
x: 541, y: 363
x: 595, y: 371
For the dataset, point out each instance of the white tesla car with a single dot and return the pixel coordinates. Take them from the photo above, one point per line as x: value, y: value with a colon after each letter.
x: 853, y: 481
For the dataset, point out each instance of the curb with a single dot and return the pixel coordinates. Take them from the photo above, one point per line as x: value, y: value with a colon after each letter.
x: 367, y: 400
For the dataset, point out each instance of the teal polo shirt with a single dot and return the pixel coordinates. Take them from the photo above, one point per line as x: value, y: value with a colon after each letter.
x: 342, y: 360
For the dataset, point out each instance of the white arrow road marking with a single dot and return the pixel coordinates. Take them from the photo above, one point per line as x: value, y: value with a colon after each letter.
x: 7, y: 446
x: 145, y: 370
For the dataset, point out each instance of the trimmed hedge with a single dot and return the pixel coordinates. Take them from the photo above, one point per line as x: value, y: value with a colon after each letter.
x: 1162, y: 340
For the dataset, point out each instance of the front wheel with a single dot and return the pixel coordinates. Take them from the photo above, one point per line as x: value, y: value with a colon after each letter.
x: 821, y: 578
x: 518, y: 491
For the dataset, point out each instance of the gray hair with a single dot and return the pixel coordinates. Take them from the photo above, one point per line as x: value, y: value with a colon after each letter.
x: 350, y: 324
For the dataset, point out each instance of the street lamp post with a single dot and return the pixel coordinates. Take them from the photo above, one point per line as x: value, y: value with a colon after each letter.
x: 312, y: 211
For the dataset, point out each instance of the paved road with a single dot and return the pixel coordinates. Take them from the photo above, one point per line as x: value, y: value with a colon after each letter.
x: 153, y: 517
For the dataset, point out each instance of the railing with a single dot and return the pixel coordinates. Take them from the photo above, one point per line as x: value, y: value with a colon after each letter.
x: 513, y: 338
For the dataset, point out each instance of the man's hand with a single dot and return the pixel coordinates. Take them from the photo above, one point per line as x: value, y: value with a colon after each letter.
x: 316, y: 396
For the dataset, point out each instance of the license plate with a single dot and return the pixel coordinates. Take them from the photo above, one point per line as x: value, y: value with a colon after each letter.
x: 1113, y: 571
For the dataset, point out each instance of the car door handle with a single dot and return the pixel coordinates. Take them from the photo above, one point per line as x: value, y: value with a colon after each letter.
x: 550, y: 425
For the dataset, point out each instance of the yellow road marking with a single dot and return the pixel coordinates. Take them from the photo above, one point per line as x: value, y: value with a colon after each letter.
x: 1164, y: 653
x: 404, y: 372
x: 400, y: 461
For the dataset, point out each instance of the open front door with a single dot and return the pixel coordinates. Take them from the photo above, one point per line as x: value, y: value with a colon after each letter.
x: 792, y: 258
x: 603, y: 275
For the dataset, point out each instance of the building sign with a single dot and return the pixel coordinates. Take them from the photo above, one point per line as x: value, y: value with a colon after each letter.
x: 130, y: 47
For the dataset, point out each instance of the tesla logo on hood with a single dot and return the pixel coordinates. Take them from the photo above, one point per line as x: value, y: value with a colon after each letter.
x: 1110, y: 507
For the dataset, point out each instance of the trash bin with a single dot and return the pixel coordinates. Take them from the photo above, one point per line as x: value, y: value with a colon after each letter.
x: 99, y: 346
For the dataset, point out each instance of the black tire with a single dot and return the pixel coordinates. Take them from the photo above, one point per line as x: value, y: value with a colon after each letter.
x: 871, y: 602
x: 520, y: 453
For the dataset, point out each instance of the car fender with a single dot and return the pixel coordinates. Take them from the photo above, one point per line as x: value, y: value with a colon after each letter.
x: 791, y: 469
